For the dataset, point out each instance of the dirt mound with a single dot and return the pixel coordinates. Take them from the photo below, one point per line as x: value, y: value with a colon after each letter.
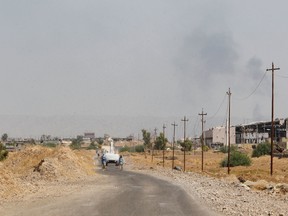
x: 25, y: 170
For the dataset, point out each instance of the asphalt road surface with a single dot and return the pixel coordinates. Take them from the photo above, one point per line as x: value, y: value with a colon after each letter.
x: 120, y: 193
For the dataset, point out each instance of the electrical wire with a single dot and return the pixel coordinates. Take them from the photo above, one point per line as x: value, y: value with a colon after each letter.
x: 244, y: 98
x: 282, y: 76
x: 196, y: 123
x: 226, y: 113
x: 218, y: 108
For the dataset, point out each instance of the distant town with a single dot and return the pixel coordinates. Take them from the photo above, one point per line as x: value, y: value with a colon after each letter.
x: 253, y: 133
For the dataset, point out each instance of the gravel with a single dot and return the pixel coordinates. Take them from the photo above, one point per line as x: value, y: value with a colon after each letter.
x: 224, y: 196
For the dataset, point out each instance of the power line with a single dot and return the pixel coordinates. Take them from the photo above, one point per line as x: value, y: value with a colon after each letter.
x: 224, y: 98
x: 282, y: 76
x: 244, y: 98
x: 195, y: 124
x: 226, y: 113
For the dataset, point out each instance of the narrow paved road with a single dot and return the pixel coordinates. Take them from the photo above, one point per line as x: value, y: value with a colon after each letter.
x: 144, y: 195
x: 120, y: 193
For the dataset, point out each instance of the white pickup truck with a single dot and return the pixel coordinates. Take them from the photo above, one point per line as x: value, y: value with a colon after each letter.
x: 112, y: 158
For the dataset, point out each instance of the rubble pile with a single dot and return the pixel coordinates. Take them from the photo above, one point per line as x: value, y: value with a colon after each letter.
x: 30, y: 169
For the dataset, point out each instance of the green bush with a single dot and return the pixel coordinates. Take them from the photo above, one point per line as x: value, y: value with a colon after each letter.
x: 262, y: 149
x: 76, y: 144
x: 50, y: 145
x: 224, y: 149
x: 3, y: 152
x: 93, y: 146
x: 187, y: 144
x: 124, y: 149
x: 236, y: 159
x: 205, y: 148
x: 139, y: 148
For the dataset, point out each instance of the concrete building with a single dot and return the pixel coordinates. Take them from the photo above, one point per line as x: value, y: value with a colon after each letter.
x: 89, y: 135
x: 255, y: 132
x: 219, y: 136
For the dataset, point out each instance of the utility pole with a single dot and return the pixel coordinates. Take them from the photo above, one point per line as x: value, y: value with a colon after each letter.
x: 163, y: 142
x: 155, y: 134
x: 202, y: 141
x: 229, y: 95
x: 173, y: 144
x: 185, y: 120
x: 272, y: 117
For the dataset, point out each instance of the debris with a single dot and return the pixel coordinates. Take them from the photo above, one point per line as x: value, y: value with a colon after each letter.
x: 178, y: 168
x: 37, y: 168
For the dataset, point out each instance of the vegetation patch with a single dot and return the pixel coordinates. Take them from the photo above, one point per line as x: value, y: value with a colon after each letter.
x: 137, y: 148
x: 236, y: 159
x: 224, y: 149
x: 3, y: 152
x: 262, y: 149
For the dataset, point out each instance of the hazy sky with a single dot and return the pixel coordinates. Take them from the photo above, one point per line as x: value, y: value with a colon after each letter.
x: 138, y: 59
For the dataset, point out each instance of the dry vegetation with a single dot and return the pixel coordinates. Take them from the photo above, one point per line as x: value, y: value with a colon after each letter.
x: 259, y: 170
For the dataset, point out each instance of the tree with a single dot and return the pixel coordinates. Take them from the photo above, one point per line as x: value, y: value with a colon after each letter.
x: 187, y: 144
x: 146, y: 138
x: 160, y: 142
x: 100, y: 140
x: 93, y: 145
x: 4, y: 137
x: 76, y: 143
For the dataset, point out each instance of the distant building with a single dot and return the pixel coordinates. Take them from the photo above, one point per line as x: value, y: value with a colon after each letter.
x: 219, y: 135
x: 89, y: 136
x: 255, y: 132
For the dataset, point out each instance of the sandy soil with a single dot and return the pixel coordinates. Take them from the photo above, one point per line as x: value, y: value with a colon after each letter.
x: 39, y: 173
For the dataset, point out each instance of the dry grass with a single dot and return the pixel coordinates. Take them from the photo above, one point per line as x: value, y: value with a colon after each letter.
x: 259, y: 170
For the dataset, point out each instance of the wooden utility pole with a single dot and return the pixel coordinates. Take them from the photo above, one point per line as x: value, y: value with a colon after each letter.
x: 163, y: 142
x: 185, y: 120
x: 272, y: 117
x: 202, y: 138
x: 173, y: 143
x: 155, y: 134
x: 228, y: 162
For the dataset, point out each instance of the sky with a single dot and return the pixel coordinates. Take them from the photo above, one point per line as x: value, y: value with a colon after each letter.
x: 69, y: 67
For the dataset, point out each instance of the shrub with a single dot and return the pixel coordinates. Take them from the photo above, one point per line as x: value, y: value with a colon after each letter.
x: 50, y: 145
x: 224, y: 149
x: 124, y: 149
x: 187, y: 144
x: 262, y: 149
x: 139, y: 148
x: 3, y: 152
x: 236, y: 159
x: 205, y: 148
x: 76, y: 144
x: 93, y: 146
